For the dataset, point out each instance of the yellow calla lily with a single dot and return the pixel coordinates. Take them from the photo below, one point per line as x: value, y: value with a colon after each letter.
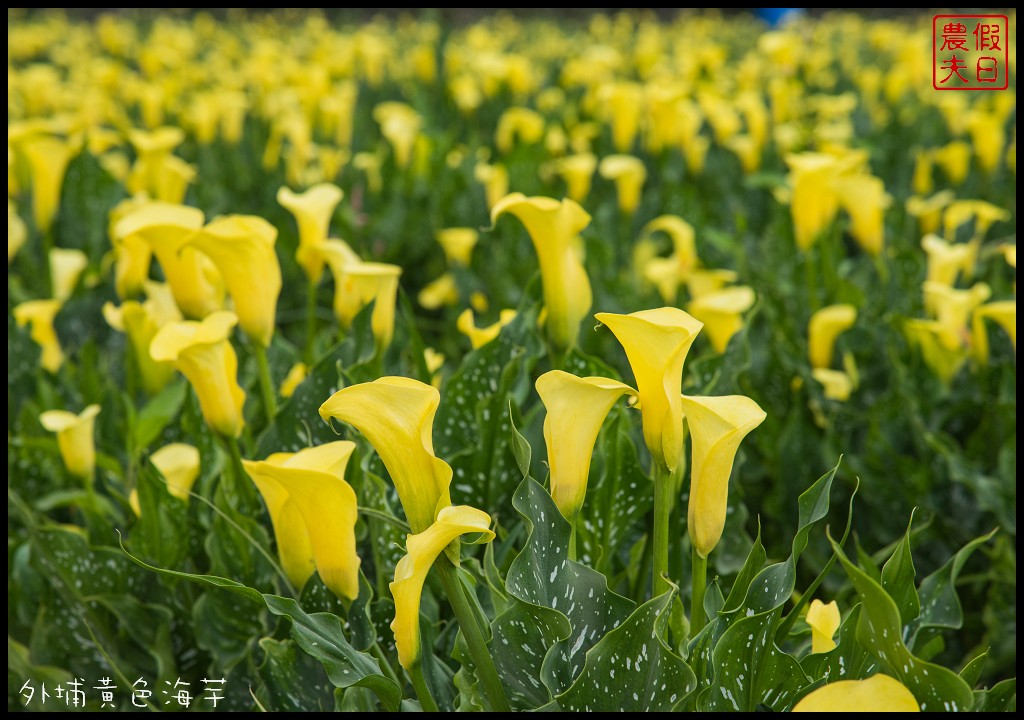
x: 577, y: 171
x: 478, y: 337
x: 824, y: 620
x: 922, y: 182
x: 946, y: 261
x: 865, y: 201
x: 1010, y: 254
x: 494, y: 178
x: 356, y: 285
x: 518, y: 124
x: 629, y: 174
x: 411, y: 571
x: 988, y: 136
x: 202, y: 352
x: 141, y: 321
x: 825, y: 326
x: 1004, y: 313
x: 39, y: 316
x: 624, y: 103
x: 952, y: 308
x: 878, y: 693
x: 836, y: 384
x: 194, y: 279
x: 554, y: 227
x: 717, y: 425
x: 814, y: 202
x: 312, y: 210
x: 132, y: 254
x: 722, y: 313
x: 312, y: 482
x: 400, y: 125
x: 48, y: 159
x: 17, y: 233
x: 684, y: 241
x: 179, y: 463
x: 293, y: 379
x: 66, y: 267
x: 928, y: 337
x: 173, y: 177
x: 438, y: 293
x: 984, y: 214
x: 152, y: 148
x: 701, y: 282
x: 576, y: 409
x: 434, y: 361
x: 928, y: 211
x: 656, y: 343
x: 396, y: 415
x: 242, y: 248
x: 458, y: 244
x: 955, y: 160
x: 747, y: 150
x: 74, y: 439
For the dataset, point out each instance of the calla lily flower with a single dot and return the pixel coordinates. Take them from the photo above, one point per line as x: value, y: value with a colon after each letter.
x: 656, y: 343
x: 194, y: 279
x: 955, y: 160
x: 202, y: 352
x: 66, y: 267
x: 1004, y: 313
x: 865, y: 201
x: 717, y: 425
x: 988, y: 136
x: 17, y: 233
x: 293, y: 379
x: 946, y: 261
x: 411, y: 571
x: 494, y: 178
x: 928, y: 336
x: 312, y: 210
x: 984, y: 214
x: 701, y: 282
x: 39, y: 316
x: 683, y: 241
x: 629, y: 174
x: 434, y: 361
x: 132, y: 254
x: 478, y: 337
x: 814, y: 202
x: 242, y: 248
x: 74, y: 439
x: 722, y: 313
x: 928, y: 211
x: 554, y: 228
x: 577, y: 171
x: 48, y: 159
x: 152, y: 149
x: 438, y: 293
x: 400, y: 125
x: 357, y: 284
x: 624, y: 102
x: 396, y: 415
x: 1010, y: 253
x: 312, y: 483
x: 824, y: 620
x: 141, y: 322
x: 179, y: 464
x: 836, y: 384
x: 458, y: 244
x: 952, y: 308
x: 922, y: 182
x: 576, y: 409
x: 518, y: 124
x: 825, y: 326
x: 878, y: 693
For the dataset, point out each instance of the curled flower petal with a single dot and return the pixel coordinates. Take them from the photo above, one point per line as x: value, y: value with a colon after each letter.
x: 878, y: 693
x: 824, y: 622
x: 722, y: 313
x: 825, y: 326
x: 74, y: 439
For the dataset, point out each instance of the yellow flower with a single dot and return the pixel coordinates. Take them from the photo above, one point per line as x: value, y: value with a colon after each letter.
x: 439, y: 292
x: 814, y: 201
x: 928, y: 211
x: 576, y: 409
x: 747, y: 150
x: 173, y: 177
x: 242, y: 248
x: 1004, y: 313
x: 39, y: 315
x: 629, y: 174
x: 577, y: 171
x: 984, y: 214
x: 370, y: 164
x: 1010, y: 253
x: 434, y: 362
x: 955, y: 160
x: 946, y: 261
x: 132, y: 254
x: 518, y: 124
x: 66, y: 267
x: 825, y: 326
x: 16, y: 231
x: 293, y: 379
x: 722, y: 313
x: 988, y: 135
x: 878, y: 693
x: 75, y: 439
x: 141, y: 321
x: 152, y: 149
x: 48, y: 159
x: 953, y: 308
x: 356, y: 285
x: 312, y: 210
x: 411, y: 571
x: 836, y: 384
x: 202, y: 352
x: 554, y: 227
x: 179, y: 464
x: 927, y: 336
x: 624, y: 103
x: 656, y: 343
x: 865, y: 201
x: 494, y: 178
x: 313, y: 511
x: 683, y: 242
x: 400, y: 125
x: 824, y: 620
x: 922, y: 182
x: 396, y: 415
x: 478, y: 337
x: 458, y: 244
x: 717, y: 425
x: 194, y: 279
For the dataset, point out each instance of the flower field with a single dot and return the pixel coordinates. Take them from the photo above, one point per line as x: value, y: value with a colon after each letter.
x: 489, y: 362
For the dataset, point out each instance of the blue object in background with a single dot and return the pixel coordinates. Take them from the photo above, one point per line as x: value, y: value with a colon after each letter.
x: 778, y: 16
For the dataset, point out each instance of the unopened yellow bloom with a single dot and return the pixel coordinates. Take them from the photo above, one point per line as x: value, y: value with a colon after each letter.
x: 825, y: 326
x: 1004, y: 314
x: 577, y: 171
x: 293, y: 379
x: 313, y: 511
x: 74, y: 439
x: 396, y: 415
x: 814, y: 201
x: 629, y: 174
x: 242, y: 248
x: 458, y: 244
x: 878, y: 693
x: 928, y: 211
x: 141, y: 321
x: 48, y: 159
x: 202, y: 352
x: 554, y: 227
x: 576, y: 409
x: 66, y: 267
x: 39, y: 316
x: 494, y: 178
x: 17, y: 233
x: 312, y: 210
x: 400, y: 125
x: 865, y: 201
x: 518, y: 124
x: 478, y: 337
x: 422, y: 550
x: 722, y: 313
x: 717, y: 425
x: 656, y: 343
x: 824, y: 620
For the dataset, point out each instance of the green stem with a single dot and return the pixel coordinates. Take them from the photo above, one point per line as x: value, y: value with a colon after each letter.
x: 700, y: 581
x: 385, y: 666
x: 266, y: 383
x: 662, y: 511
x: 419, y: 684
x: 474, y: 634
x: 49, y: 238
x: 572, y: 539
x: 307, y: 353
x: 810, y: 276
x: 241, y: 488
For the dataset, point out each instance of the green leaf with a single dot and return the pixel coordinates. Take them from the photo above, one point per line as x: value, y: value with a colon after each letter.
x: 521, y: 450
x: 632, y: 668
x: 150, y: 422
x: 881, y: 632
x: 1002, y: 697
x: 161, y: 531
x: 972, y: 670
x: 898, y: 576
x: 292, y: 680
x: 753, y: 564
